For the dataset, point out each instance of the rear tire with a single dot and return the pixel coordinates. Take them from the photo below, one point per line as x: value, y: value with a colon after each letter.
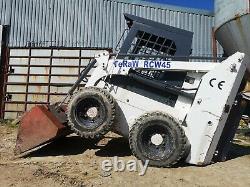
x: 91, y: 112
x: 157, y: 137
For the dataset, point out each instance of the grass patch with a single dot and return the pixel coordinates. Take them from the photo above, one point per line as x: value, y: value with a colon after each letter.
x: 9, y: 123
x: 242, y: 136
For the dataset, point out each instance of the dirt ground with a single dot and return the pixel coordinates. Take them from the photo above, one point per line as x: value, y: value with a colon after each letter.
x: 72, y: 162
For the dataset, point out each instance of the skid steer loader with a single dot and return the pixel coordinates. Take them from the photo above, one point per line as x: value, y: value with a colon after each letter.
x: 169, y: 107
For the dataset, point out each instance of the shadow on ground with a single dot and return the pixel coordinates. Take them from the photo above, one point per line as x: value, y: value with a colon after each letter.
x: 74, y: 145
x: 238, y: 150
x: 115, y: 147
x: 110, y: 147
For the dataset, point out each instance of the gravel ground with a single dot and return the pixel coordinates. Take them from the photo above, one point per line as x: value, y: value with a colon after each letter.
x: 72, y: 162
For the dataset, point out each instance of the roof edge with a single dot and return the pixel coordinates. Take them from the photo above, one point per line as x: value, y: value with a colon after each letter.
x: 156, y: 24
x: 167, y: 6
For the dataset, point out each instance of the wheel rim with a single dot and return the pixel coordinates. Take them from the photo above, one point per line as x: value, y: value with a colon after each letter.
x: 90, y: 112
x: 156, y: 141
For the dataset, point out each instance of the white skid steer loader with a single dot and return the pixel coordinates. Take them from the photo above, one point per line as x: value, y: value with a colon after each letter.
x: 169, y: 108
x: 119, y: 97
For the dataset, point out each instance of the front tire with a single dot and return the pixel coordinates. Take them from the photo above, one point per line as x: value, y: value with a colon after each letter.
x: 91, y: 112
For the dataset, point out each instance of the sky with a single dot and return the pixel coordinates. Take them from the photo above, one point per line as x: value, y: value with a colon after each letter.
x: 200, y: 4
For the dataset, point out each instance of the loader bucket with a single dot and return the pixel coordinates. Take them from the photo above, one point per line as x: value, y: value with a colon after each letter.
x: 37, y: 127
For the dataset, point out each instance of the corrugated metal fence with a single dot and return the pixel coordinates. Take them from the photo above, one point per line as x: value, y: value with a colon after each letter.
x: 92, y: 23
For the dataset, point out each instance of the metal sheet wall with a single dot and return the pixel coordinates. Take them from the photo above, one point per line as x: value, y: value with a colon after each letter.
x: 92, y: 23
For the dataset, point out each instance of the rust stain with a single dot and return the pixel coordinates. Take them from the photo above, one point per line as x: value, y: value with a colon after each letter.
x: 34, y: 78
x: 36, y: 98
x: 63, y: 78
x: 214, y: 44
x: 237, y: 19
x: 237, y: 16
x: 46, y: 79
x: 47, y: 70
x: 19, y: 107
x: 39, y: 89
x: 248, y: 10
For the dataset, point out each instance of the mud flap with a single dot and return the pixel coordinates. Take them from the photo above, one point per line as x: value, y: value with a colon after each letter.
x: 37, y: 127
